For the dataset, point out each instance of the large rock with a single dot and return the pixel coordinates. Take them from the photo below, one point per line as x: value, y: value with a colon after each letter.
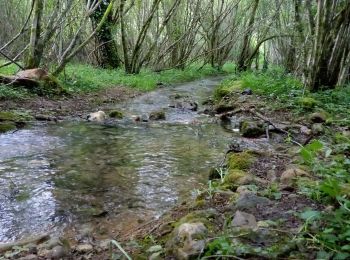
x: 244, y: 220
x: 188, y: 241
x: 251, y: 129
x: 250, y: 203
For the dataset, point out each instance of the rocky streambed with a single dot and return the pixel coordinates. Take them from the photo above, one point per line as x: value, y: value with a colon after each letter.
x: 82, y: 184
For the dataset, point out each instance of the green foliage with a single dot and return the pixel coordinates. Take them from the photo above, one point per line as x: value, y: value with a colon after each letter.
x: 8, y: 70
x: 329, y: 230
x: 85, y: 78
x: 7, y: 93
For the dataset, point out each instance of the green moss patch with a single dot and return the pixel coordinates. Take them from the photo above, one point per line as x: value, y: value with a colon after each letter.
x: 240, y: 161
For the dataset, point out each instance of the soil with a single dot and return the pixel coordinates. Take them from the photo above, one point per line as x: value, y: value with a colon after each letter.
x: 70, y: 106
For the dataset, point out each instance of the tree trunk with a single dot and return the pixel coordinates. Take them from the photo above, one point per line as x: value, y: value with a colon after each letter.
x: 33, y: 56
x: 107, y: 48
x: 243, y: 61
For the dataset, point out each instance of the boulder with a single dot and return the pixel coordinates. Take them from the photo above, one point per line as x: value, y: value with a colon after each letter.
x: 251, y: 129
x: 188, y: 241
x: 244, y: 220
x: 98, y: 116
x: 157, y: 115
x: 34, y: 74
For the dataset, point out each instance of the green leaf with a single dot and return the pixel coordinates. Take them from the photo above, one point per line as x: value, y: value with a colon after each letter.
x: 310, y: 214
x: 306, y: 155
x: 315, y: 146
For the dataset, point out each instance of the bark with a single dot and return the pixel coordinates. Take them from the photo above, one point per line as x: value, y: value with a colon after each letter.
x: 33, y: 57
x: 106, y: 46
x: 243, y: 61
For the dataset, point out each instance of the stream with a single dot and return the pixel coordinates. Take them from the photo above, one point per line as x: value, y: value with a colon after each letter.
x: 53, y: 175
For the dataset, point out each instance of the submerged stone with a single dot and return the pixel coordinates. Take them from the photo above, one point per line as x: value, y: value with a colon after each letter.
x: 157, y: 115
x: 116, y: 114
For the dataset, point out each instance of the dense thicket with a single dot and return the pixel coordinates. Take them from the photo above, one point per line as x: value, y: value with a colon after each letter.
x: 309, y: 38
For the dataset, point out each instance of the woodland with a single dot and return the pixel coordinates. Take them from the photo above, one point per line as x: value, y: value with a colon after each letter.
x: 269, y: 80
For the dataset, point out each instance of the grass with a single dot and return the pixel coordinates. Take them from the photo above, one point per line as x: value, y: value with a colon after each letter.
x: 85, y: 78
x: 286, y: 91
x: 80, y: 78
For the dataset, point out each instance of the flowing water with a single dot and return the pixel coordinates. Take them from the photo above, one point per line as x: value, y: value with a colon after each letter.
x: 57, y: 174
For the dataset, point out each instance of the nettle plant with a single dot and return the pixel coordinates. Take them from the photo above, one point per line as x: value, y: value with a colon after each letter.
x: 329, y: 230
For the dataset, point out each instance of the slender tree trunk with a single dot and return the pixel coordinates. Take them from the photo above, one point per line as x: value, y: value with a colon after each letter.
x: 33, y: 57
x: 242, y: 63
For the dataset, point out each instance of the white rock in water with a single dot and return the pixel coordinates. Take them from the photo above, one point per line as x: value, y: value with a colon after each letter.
x: 99, y: 116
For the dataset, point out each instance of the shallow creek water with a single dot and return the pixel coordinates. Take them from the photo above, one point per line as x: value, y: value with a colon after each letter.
x: 57, y: 174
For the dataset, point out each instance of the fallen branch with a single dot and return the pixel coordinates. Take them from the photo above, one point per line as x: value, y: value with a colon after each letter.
x: 19, y: 82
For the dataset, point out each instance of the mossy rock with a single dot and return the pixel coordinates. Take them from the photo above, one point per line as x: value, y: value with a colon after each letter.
x: 251, y: 129
x: 236, y: 178
x: 227, y: 89
x: 14, y: 116
x: 319, y: 117
x: 203, y: 216
x: 307, y: 102
x: 7, y: 126
x: 157, y: 115
x: 116, y: 114
x: 240, y: 161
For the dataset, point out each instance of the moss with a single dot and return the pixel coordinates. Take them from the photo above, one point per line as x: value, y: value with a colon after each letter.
x: 233, y: 176
x: 240, y: 161
x: 14, y: 116
x: 307, y: 102
x: 116, y: 114
x: 227, y: 89
x: 204, y: 216
x: 7, y: 126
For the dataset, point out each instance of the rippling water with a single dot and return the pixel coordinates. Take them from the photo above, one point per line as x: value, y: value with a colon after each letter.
x: 53, y: 175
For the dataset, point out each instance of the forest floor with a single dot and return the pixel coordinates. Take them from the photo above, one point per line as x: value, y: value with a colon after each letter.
x: 282, y: 191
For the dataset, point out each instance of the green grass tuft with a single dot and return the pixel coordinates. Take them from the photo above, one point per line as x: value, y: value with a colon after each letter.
x: 86, y: 78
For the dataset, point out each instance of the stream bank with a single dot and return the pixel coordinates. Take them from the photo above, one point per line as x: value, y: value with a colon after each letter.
x: 251, y: 203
